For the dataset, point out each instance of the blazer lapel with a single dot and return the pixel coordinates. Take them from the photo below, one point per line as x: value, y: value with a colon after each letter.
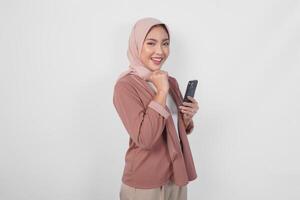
x: 174, y: 94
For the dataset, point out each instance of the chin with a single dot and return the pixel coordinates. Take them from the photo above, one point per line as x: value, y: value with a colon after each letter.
x: 155, y: 67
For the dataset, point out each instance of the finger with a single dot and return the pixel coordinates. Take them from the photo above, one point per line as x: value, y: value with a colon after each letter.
x: 188, y: 104
x: 192, y: 99
x: 186, y: 108
x: 189, y: 113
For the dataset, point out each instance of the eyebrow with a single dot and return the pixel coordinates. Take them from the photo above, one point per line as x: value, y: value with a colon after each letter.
x: 156, y: 40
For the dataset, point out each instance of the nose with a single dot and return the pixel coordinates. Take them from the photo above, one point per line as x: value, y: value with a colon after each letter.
x: 158, y: 50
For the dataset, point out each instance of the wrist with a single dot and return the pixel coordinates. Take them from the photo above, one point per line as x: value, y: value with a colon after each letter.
x: 187, y: 121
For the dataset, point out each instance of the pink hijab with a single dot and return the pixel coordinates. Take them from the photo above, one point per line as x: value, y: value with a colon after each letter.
x: 136, y: 40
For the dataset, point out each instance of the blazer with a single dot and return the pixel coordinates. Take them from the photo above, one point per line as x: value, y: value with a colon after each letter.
x: 155, y: 155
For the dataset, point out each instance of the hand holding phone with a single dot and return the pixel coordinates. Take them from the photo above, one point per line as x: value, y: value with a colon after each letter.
x: 190, y: 90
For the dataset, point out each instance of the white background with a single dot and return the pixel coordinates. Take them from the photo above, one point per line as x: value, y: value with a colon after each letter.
x: 61, y: 138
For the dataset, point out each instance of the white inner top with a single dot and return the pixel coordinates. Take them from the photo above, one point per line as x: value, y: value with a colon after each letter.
x: 172, y: 107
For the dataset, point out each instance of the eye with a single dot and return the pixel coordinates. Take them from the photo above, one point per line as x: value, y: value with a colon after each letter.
x: 150, y: 43
x: 166, y: 44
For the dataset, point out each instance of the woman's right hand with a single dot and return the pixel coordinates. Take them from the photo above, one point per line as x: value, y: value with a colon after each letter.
x: 160, y: 80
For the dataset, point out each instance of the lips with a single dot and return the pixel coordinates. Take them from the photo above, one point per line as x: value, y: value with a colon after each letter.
x: 157, y: 60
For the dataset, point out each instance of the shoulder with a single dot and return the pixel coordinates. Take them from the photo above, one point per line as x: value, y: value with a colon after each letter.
x: 126, y: 82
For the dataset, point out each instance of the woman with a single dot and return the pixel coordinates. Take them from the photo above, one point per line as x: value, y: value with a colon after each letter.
x: 158, y: 162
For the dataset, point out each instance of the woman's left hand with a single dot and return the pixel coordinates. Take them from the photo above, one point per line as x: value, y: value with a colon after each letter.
x: 189, y: 109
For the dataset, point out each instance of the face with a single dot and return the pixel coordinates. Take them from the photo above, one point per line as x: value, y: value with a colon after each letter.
x: 155, y: 49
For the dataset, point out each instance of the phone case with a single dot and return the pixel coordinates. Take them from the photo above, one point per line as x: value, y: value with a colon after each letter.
x: 190, y: 90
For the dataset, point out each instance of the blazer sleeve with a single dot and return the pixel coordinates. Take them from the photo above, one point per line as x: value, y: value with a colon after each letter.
x: 144, y: 125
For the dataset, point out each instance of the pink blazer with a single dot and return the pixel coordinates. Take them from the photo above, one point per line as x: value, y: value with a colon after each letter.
x: 155, y: 155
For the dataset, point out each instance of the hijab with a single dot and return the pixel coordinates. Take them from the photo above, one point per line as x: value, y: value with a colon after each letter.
x: 135, y: 44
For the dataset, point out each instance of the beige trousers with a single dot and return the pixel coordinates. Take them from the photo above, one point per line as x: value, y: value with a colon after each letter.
x: 169, y: 191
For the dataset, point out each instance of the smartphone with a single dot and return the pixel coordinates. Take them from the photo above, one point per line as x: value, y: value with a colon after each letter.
x: 190, y: 90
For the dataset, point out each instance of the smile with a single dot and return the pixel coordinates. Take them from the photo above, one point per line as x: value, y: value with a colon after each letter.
x: 156, y: 61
